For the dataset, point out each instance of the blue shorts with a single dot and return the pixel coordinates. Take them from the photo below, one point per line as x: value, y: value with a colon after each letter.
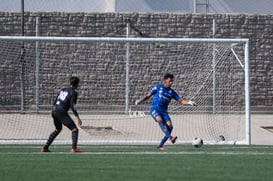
x: 164, y: 115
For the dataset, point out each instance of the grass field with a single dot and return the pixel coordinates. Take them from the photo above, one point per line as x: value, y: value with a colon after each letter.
x: 180, y: 162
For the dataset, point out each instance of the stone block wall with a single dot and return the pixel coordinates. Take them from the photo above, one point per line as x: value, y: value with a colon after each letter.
x: 258, y: 28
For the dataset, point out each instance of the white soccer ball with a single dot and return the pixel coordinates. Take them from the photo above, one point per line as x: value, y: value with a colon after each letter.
x: 197, y: 142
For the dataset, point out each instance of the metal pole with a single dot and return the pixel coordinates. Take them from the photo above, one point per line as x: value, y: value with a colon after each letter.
x: 37, y: 58
x: 22, y: 17
x: 207, y: 6
x: 127, y: 88
x: 214, y: 71
x: 247, y: 95
x: 194, y: 6
x: 22, y: 89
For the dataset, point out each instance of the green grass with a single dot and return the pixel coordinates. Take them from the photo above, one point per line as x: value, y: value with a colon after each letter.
x: 180, y: 162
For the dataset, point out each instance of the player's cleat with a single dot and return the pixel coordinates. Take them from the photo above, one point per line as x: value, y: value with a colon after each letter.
x: 76, y: 150
x: 45, y: 150
x: 162, y: 148
x: 173, y: 139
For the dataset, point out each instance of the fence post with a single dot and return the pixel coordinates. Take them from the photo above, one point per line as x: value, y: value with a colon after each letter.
x: 37, y: 60
x: 22, y: 64
x: 127, y: 88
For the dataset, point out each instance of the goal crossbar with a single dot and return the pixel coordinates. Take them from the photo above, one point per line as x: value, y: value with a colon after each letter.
x: 129, y: 40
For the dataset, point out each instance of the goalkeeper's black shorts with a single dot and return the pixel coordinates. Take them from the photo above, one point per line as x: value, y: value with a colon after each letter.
x: 60, y: 117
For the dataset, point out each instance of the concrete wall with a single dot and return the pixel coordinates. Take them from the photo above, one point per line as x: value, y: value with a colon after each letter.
x: 258, y: 28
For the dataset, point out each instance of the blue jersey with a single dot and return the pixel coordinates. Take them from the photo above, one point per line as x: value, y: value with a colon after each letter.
x: 162, y: 97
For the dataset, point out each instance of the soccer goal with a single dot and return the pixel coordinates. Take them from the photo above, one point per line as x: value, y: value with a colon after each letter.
x: 114, y: 72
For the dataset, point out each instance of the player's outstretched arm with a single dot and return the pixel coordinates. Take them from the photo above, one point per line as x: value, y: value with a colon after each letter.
x: 145, y: 97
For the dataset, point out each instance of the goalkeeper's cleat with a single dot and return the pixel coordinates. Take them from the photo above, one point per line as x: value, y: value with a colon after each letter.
x: 45, y: 150
x: 173, y: 139
x: 76, y: 150
x: 162, y: 148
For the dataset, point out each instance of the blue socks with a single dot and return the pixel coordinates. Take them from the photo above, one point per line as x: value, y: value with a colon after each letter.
x: 164, y: 128
x: 163, y: 141
x: 167, y: 130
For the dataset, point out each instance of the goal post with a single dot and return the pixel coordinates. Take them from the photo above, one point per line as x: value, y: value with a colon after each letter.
x: 114, y: 72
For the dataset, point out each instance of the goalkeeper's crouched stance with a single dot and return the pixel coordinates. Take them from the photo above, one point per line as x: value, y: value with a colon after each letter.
x: 67, y: 98
x: 163, y: 94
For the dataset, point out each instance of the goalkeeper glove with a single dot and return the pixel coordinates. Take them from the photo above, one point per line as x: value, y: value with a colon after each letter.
x: 139, y: 101
x: 192, y: 103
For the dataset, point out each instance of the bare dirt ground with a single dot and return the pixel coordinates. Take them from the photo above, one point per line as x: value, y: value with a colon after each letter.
x: 36, y: 129
x: 261, y: 136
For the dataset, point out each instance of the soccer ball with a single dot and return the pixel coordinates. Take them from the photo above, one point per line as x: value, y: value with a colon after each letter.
x: 197, y: 142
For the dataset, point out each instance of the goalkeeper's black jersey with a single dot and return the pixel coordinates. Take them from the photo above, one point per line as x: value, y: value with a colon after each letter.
x: 67, y: 98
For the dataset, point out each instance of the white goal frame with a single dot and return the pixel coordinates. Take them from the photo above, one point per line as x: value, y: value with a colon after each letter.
x: 128, y: 40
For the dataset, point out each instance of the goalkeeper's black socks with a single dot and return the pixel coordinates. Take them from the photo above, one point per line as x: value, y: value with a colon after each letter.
x: 51, y: 138
x: 74, y: 139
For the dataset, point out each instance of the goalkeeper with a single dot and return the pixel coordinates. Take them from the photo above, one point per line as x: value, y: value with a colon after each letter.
x: 67, y: 98
x: 163, y: 93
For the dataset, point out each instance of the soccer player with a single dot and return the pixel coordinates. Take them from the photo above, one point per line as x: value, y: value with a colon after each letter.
x: 67, y: 98
x: 163, y: 94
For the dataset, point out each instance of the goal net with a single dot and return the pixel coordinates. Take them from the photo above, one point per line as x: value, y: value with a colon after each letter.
x: 113, y: 73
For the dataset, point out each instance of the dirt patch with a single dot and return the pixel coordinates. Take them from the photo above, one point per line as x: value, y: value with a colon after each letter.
x: 104, y: 130
x: 268, y: 128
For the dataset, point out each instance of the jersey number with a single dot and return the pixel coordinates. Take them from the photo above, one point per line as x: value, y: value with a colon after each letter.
x: 62, y: 95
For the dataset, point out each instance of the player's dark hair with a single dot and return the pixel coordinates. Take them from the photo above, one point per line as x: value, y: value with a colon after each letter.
x: 74, y: 81
x: 168, y: 75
